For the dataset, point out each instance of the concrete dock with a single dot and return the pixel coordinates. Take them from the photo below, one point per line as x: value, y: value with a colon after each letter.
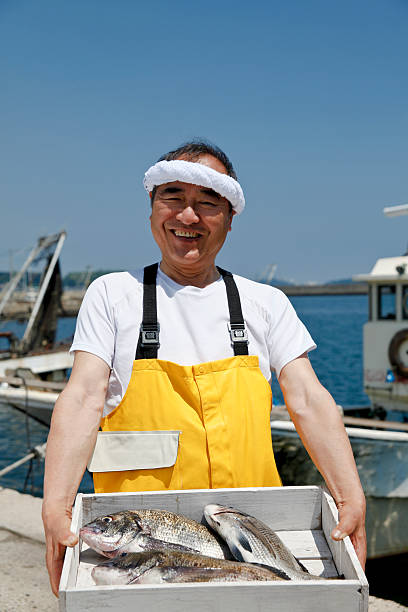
x: 24, y: 581
x: 24, y: 584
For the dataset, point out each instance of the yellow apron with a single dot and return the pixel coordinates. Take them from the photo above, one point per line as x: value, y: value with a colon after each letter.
x: 219, y: 412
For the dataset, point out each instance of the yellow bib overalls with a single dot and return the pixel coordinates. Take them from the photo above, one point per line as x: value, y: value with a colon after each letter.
x: 220, y: 411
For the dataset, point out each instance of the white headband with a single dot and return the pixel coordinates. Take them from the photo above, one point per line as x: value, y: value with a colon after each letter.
x: 196, y: 174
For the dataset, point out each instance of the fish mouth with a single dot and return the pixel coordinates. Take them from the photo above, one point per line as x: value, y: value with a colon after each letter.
x: 91, y: 536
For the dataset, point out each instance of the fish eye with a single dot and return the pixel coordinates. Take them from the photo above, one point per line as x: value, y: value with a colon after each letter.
x: 107, y: 519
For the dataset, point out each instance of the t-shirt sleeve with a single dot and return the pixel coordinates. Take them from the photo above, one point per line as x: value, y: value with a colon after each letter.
x: 95, y: 328
x: 288, y: 336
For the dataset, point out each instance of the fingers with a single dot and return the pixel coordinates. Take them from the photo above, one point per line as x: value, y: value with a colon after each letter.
x: 69, y: 539
x: 55, y: 575
x: 359, y: 541
x: 346, y: 526
x: 55, y: 552
x: 352, y: 524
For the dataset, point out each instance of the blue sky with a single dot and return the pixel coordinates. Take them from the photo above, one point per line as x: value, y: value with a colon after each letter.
x: 309, y: 100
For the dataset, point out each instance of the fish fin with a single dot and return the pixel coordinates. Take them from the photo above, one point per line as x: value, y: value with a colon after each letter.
x: 236, y: 552
x: 302, y: 566
x: 275, y: 570
x: 243, y: 540
x: 156, y: 544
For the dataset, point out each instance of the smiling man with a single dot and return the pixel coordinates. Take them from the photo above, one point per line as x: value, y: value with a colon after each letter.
x: 173, y: 362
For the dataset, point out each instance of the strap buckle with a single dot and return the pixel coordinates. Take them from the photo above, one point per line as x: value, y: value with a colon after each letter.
x: 150, y: 335
x: 238, y: 332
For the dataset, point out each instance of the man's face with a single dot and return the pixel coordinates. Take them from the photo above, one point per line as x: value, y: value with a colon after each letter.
x: 189, y: 222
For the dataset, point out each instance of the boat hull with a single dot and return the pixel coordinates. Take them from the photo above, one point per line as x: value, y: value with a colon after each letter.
x: 37, y: 404
x: 382, y: 463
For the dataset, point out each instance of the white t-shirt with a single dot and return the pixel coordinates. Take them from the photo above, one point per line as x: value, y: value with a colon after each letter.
x: 193, y: 325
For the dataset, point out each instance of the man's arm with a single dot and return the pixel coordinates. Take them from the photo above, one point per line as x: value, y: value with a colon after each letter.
x: 74, y: 427
x: 320, y: 426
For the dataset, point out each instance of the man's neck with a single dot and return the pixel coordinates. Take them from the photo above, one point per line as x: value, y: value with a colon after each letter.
x: 188, y: 276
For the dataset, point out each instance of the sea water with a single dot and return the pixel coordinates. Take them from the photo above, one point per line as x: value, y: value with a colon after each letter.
x: 335, y: 323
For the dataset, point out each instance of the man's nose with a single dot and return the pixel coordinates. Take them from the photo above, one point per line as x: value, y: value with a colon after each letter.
x: 188, y: 215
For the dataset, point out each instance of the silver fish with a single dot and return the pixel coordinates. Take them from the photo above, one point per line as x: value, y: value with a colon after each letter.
x: 252, y: 541
x: 163, y: 566
x: 144, y: 530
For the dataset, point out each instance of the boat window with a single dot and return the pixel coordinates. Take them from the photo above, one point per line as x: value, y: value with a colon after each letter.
x: 405, y: 302
x: 386, y: 302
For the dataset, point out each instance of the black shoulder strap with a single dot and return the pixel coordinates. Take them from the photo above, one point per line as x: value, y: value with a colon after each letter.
x: 238, y: 332
x: 148, y: 344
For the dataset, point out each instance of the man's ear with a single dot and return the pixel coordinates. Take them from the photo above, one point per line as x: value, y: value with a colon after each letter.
x: 233, y: 212
x: 151, y: 203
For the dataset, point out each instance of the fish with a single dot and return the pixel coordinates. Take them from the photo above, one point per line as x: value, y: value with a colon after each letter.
x: 146, y: 530
x: 154, y: 567
x: 250, y: 540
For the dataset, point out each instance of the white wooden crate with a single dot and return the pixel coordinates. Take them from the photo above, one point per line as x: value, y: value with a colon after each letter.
x: 303, y: 517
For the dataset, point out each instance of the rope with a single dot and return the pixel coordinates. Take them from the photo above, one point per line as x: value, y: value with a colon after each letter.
x: 30, y: 471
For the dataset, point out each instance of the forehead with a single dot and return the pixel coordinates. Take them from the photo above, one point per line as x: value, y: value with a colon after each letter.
x: 187, y: 189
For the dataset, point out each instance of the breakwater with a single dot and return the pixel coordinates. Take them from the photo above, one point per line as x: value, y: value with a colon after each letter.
x: 21, y: 306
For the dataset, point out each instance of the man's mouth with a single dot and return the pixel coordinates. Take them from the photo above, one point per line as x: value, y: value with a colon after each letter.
x: 186, y: 234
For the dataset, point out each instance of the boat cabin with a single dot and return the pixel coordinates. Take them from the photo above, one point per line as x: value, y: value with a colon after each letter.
x: 385, y: 334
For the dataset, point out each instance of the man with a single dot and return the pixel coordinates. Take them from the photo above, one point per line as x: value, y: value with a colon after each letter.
x: 184, y: 351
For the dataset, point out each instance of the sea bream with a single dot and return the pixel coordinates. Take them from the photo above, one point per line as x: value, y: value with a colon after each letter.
x: 252, y: 541
x: 146, y: 530
x: 165, y: 566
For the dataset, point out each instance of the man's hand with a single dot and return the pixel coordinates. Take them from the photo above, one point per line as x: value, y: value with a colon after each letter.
x: 352, y: 523
x: 58, y: 535
x: 320, y: 426
x: 74, y: 427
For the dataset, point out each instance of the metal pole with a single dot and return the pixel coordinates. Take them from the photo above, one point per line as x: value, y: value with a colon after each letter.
x: 38, y: 451
x: 42, y: 244
x: 43, y: 288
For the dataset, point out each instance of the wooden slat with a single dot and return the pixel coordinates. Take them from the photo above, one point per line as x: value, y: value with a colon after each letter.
x: 344, y: 555
x: 321, y: 567
x: 375, y: 423
x: 306, y: 544
x: 282, y: 508
x: 280, y: 596
x: 71, y: 562
x: 32, y: 382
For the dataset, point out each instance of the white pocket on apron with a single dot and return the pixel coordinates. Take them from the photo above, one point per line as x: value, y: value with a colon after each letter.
x: 117, y: 451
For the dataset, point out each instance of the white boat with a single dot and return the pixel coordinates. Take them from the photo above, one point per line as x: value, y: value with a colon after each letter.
x: 33, y: 368
x: 380, y: 443
x: 37, y: 404
x: 382, y: 463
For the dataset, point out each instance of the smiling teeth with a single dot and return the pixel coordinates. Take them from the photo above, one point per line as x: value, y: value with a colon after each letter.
x: 186, y: 234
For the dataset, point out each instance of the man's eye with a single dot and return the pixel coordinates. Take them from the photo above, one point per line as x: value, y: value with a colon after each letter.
x: 209, y: 203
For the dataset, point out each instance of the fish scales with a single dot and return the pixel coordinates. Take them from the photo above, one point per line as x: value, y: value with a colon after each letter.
x: 164, y: 566
x: 266, y: 543
x: 138, y: 530
x: 252, y: 541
